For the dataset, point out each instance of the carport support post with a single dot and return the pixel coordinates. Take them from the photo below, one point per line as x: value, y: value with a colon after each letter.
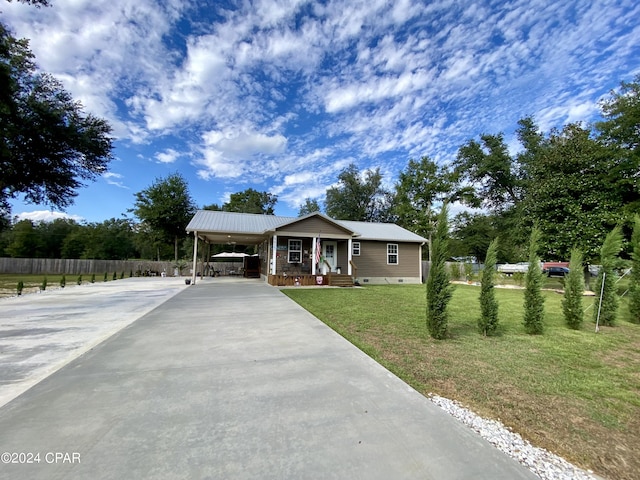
x: 195, y: 257
x: 274, y: 253
x: 349, y: 256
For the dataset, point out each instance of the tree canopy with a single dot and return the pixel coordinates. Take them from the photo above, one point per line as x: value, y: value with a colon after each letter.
x: 165, y: 208
x: 357, y: 196
x: 48, y: 145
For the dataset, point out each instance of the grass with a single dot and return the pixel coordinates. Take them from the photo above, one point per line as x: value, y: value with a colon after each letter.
x: 32, y: 283
x: 575, y: 393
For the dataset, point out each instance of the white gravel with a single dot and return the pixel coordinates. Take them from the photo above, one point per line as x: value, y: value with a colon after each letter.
x: 544, y: 464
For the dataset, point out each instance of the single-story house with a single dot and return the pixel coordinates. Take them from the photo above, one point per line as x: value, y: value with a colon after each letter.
x: 315, y: 248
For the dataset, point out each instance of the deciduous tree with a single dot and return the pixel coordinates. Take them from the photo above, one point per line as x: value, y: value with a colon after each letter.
x: 48, y: 145
x: 310, y: 205
x: 357, y: 196
x: 166, y: 207
x: 251, y: 201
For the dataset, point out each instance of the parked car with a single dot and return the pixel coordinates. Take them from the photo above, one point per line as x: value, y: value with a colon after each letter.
x: 557, y: 271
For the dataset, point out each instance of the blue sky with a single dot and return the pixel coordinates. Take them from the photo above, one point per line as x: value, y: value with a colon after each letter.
x: 281, y: 95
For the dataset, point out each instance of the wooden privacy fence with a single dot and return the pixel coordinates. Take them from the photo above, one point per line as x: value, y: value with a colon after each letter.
x: 74, y: 266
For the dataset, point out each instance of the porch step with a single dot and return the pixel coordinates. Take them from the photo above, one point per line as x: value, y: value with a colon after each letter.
x: 336, y: 280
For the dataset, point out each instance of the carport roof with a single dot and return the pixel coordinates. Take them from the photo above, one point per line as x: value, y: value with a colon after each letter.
x: 248, y: 229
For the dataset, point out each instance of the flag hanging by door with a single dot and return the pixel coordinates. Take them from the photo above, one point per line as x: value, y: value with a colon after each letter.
x: 318, y: 250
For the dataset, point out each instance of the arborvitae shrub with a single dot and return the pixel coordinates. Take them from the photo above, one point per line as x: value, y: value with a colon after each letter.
x: 439, y: 289
x: 488, y: 321
x: 533, y: 299
x: 43, y: 286
x: 106, y: 276
x: 63, y: 281
x: 20, y: 287
x: 573, y: 292
x: 79, y: 281
x: 93, y: 278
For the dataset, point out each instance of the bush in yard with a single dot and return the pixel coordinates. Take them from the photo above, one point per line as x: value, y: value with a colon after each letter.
x: 93, y: 278
x: 533, y: 299
x: 106, y: 276
x: 115, y: 276
x: 634, y: 284
x: 43, y: 286
x: 63, y: 281
x: 439, y: 290
x: 130, y: 273
x: 604, y: 312
x: 488, y: 321
x: 573, y: 292
x: 20, y: 287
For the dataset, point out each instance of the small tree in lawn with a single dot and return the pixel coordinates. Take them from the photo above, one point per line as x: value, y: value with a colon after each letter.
x: 439, y: 289
x: 488, y: 321
x: 573, y: 292
x: 634, y: 285
x: 608, y: 307
x: 533, y: 299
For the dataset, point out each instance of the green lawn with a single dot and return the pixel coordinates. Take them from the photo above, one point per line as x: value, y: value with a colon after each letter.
x: 32, y: 283
x: 576, y: 393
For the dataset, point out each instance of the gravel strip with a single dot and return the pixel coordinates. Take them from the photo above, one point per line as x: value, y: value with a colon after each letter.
x: 544, y: 464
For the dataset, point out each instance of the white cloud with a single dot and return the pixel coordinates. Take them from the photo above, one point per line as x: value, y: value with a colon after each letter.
x: 113, y: 178
x: 46, y: 216
x: 168, y: 156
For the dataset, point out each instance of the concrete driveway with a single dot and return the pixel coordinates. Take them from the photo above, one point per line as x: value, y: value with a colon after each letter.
x: 228, y: 379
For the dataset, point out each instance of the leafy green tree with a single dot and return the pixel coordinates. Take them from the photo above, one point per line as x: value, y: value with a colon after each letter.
x: 357, y: 196
x: 605, y: 310
x: 48, y: 145
x: 439, y: 289
x: 533, y: 299
x: 52, y: 236
x: 488, y: 321
x: 573, y: 292
x: 310, y: 205
x: 251, y: 201
x: 622, y: 116
x: 23, y: 240
x: 634, y: 284
x: 166, y: 207
x: 572, y: 196
x: 420, y: 186
x: 488, y: 166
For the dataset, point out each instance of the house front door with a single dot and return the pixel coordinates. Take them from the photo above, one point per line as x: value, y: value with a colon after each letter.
x: 330, y: 253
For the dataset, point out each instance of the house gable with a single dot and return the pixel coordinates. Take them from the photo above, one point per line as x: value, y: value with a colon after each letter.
x: 315, y: 225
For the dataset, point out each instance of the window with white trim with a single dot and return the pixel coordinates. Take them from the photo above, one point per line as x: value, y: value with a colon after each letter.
x: 392, y: 253
x: 295, y: 251
x: 355, y: 249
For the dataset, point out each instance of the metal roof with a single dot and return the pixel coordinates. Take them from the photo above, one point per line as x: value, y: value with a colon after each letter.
x: 389, y: 232
x: 247, y: 228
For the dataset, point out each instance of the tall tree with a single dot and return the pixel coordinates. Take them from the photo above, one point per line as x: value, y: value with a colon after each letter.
x: 572, y: 195
x: 488, y: 166
x: 533, y: 299
x: 357, y: 196
x: 605, y: 310
x: 251, y: 201
x: 310, y: 205
x: 573, y: 292
x: 439, y: 289
x: 166, y: 207
x: 488, y: 321
x: 420, y: 186
x: 48, y: 145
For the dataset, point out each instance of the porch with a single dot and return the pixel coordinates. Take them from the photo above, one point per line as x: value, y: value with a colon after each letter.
x: 305, y: 280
